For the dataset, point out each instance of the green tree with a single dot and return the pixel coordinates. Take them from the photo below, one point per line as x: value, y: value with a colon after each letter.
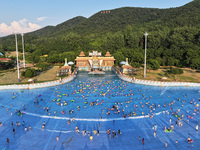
x: 154, y: 64
x: 118, y: 58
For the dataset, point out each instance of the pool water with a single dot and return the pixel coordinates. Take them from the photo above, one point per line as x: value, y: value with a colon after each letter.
x: 99, y: 103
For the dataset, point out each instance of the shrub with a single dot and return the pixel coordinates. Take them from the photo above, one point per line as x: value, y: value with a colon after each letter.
x: 136, y: 65
x: 29, y: 73
x: 42, y: 66
x: 198, y: 71
x: 175, y: 70
x: 23, y: 73
x: 154, y: 64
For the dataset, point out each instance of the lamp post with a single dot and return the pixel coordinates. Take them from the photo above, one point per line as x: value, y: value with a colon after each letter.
x: 146, y: 34
x: 17, y: 57
x: 23, y: 48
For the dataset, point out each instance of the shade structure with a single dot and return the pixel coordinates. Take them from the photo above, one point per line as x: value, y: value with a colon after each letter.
x: 164, y: 78
x: 122, y: 62
x: 70, y: 63
x: 30, y: 80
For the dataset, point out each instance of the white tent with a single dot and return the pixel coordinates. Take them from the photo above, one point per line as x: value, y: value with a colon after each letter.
x: 70, y: 63
x: 122, y: 62
x: 30, y: 80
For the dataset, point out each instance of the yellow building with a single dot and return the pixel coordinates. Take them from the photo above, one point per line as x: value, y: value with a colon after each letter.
x: 94, y: 61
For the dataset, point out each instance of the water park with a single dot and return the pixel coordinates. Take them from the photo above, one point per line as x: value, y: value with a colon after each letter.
x: 100, y: 112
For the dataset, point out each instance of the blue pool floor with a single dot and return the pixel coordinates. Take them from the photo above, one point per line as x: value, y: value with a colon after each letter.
x: 104, y: 92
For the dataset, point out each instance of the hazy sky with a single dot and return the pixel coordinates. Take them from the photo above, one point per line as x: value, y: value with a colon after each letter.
x: 29, y: 15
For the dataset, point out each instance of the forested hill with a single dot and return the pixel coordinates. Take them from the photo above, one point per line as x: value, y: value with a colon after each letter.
x: 174, y: 36
x: 63, y: 27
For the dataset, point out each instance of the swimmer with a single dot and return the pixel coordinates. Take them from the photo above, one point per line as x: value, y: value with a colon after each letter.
x: 166, y: 145
x: 57, y: 138
x: 119, y: 132
x: 165, y: 129
x: 188, y: 139
x: 13, y: 130
x: 91, y: 137
x: 95, y: 131
x: 7, y: 140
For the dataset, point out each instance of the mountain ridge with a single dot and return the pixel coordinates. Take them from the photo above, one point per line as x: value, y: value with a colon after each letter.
x: 174, y: 36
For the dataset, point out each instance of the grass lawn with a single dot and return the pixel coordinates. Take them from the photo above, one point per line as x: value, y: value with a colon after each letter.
x: 10, y: 76
x: 156, y: 75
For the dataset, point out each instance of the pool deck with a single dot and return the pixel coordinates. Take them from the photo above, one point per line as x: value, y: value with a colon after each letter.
x: 123, y: 77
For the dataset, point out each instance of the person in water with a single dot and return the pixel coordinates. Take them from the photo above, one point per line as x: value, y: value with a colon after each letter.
x: 8, y: 140
x: 13, y: 130
x: 166, y: 145
x: 188, y: 139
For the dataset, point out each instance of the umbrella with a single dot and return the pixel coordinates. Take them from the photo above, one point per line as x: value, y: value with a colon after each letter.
x: 30, y: 80
x: 164, y: 78
x: 70, y: 63
x: 122, y: 62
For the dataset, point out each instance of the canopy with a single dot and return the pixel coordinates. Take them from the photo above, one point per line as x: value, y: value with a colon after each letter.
x: 70, y: 63
x: 122, y: 62
x: 30, y: 80
x: 164, y: 78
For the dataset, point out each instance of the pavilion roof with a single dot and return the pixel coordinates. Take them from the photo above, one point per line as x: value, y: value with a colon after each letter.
x: 107, y: 54
x: 127, y: 67
x: 65, y: 67
x: 82, y: 54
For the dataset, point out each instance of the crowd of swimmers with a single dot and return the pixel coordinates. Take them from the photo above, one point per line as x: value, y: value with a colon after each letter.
x: 117, y: 108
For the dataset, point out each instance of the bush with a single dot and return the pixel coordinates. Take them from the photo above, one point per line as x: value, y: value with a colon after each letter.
x: 29, y: 73
x: 136, y: 65
x: 23, y: 73
x: 154, y: 64
x: 175, y: 70
x: 42, y: 66
x: 6, y: 65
